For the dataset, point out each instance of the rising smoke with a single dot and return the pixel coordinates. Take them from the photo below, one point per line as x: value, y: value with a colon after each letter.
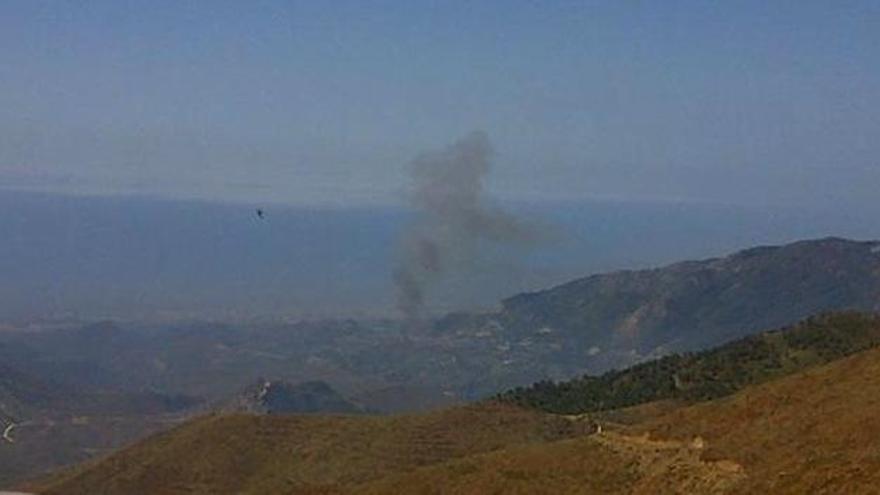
x: 453, y: 218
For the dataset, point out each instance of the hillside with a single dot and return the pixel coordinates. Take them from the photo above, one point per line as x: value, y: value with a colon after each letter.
x: 45, y: 424
x: 615, y: 319
x: 589, y: 325
x: 812, y: 431
x: 278, y: 397
x: 22, y: 394
x: 709, y: 374
x: 147, y: 371
x: 301, y: 454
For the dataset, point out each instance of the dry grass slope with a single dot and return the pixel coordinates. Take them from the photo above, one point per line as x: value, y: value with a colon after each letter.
x: 566, y: 467
x: 301, y: 454
x: 610, y: 463
x: 812, y: 432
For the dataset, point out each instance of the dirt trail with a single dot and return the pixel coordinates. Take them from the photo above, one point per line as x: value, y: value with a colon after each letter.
x: 669, y: 466
x: 7, y: 432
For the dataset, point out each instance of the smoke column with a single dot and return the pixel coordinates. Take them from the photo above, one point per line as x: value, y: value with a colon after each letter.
x: 453, y: 217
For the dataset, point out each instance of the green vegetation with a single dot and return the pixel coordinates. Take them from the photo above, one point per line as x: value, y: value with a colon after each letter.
x: 818, y: 425
x: 709, y: 374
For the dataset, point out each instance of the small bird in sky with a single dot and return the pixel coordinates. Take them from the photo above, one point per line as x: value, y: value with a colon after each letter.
x: 260, y: 213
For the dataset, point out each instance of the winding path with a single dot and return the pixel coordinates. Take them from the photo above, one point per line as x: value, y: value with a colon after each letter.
x: 6, y: 435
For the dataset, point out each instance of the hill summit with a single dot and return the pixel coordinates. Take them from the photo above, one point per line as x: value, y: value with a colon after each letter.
x: 712, y: 373
x: 279, y: 397
x: 811, y: 431
x: 613, y: 320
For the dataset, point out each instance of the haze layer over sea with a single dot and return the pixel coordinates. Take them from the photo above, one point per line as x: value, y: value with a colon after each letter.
x: 143, y: 258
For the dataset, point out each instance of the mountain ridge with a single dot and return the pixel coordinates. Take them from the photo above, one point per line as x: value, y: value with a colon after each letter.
x: 587, y: 326
x: 711, y: 373
x: 711, y: 447
x: 280, y: 397
x: 696, y: 304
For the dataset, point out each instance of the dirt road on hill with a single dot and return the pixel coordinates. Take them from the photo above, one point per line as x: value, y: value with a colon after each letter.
x: 669, y: 466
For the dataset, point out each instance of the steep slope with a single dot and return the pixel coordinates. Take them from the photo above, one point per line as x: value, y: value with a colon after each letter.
x: 810, y: 432
x: 610, y: 463
x: 712, y: 373
x: 589, y: 325
x: 44, y: 424
x: 813, y: 431
x: 302, y: 454
x: 613, y: 319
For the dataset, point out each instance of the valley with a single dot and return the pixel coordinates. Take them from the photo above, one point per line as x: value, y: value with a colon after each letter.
x: 598, y: 345
x: 294, y: 247
x: 805, y: 432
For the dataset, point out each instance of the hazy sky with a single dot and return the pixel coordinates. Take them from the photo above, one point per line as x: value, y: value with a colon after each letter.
x: 326, y: 101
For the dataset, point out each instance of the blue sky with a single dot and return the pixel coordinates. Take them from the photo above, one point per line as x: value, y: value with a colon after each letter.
x: 325, y: 102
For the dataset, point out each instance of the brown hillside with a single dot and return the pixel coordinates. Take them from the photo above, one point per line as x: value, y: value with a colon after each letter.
x: 813, y: 432
x: 609, y: 463
x: 299, y: 454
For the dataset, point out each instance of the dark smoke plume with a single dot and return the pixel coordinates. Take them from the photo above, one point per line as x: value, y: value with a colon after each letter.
x: 453, y: 218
